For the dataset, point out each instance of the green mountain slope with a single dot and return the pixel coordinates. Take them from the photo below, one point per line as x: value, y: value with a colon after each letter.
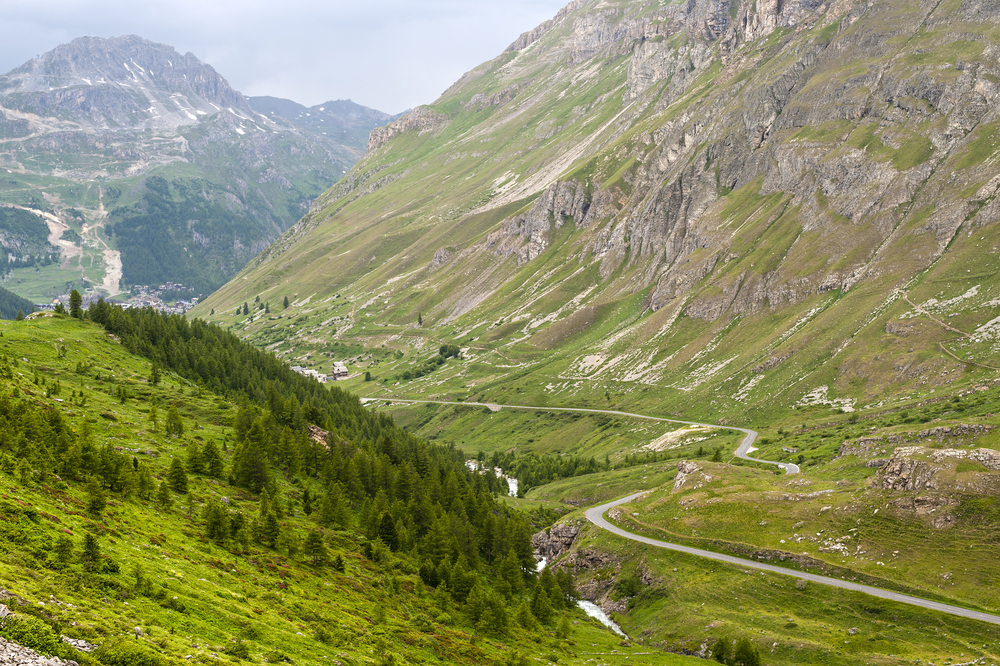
x: 706, y: 209
x: 95, y: 126
x: 166, y: 523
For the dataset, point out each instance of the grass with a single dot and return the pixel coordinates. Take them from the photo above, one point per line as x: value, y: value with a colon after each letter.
x: 199, y: 598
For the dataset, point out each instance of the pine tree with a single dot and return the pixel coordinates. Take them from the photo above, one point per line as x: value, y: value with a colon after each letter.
x: 307, y: 507
x: 285, y: 303
x: 212, y: 459
x: 153, y: 416
x: 96, y: 501
x: 145, y: 482
x: 315, y: 548
x: 541, y: 608
x: 155, y: 374
x: 75, y: 304
x: 195, y: 462
x: 216, y: 520
x: 250, y: 468
x: 174, y: 425
x: 91, y: 554
x: 63, y: 550
x: 178, y: 477
x: 720, y: 651
x: 511, y: 574
x: 746, y: 653
x: 564, y: 628
x: 387, y: 531
x: 163, y: 496
x: 20, y: 315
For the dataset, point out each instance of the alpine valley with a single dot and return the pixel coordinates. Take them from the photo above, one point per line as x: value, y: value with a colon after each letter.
x: 573, y: 294
x: 144, y: 167
x: 773, y: 215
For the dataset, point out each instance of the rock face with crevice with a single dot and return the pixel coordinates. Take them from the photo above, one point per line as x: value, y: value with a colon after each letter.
x: 554, y: 541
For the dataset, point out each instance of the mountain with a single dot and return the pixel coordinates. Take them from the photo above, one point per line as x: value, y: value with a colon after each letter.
x: 155, y: 169
x: 711, y: 209
x: 351, y: 123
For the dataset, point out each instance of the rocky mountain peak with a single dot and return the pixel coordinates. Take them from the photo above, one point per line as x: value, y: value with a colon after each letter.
x: 120, y: 82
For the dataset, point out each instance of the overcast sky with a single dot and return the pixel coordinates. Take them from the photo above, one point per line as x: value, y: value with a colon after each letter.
x: 386, y: 54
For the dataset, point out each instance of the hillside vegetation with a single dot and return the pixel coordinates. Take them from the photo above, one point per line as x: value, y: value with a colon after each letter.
x: 166, y: 495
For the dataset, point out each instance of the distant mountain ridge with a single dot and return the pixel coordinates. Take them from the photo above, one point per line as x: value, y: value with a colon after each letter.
x: 84, y: 127
x: 122, y: 83
x: 353, y: 121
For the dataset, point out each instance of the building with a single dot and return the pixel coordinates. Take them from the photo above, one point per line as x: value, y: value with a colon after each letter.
x: 339, y: 371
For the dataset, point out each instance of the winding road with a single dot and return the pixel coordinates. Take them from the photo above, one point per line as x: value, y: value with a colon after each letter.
x: 745, y: 447
x: 596, y: 515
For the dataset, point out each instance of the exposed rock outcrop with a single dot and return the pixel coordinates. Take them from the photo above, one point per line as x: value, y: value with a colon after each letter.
x: 905, y: 473
x: 420, y: 120
x: 526, y: 235
x: 684, y: 469
x: 14, y: 654
x: 554, y: 541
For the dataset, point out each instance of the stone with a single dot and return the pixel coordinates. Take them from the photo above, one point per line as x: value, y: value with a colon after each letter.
x: 554, y: 541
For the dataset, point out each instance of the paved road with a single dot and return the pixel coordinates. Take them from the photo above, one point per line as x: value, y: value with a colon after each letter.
x: 596, y: 516
x: 741, y: 452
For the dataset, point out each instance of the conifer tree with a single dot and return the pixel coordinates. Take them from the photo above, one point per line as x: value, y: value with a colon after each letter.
x: 250, y: 468
x: 145, y: 482
x: 178, y: 477
x: 315, y: 548
x: 387, y: 531
x: 285, y: 303
x: 212, y: 459
x: 96, y: 500
x: 216, y: 520
x: 163, y: 496
x: 195, y: 462
x: 511, y: 574
x: 75, y: 304
x: 746, y: 653
x: 174, y: 425
x: 63, y: 550
x: 91, y: 554
x: 306, y: 502
x: 541, y: 608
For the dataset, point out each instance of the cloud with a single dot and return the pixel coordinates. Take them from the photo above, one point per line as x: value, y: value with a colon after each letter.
x: 386, y: 54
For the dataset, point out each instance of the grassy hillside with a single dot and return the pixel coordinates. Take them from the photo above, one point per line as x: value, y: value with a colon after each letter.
x: 85, y: 461
x: 627, y: 209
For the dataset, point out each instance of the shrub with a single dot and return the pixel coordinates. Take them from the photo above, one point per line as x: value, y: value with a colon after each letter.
x: 31, y: 632
x: 628, y: 585
x: 123, y: 652
x: 237, y: 648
